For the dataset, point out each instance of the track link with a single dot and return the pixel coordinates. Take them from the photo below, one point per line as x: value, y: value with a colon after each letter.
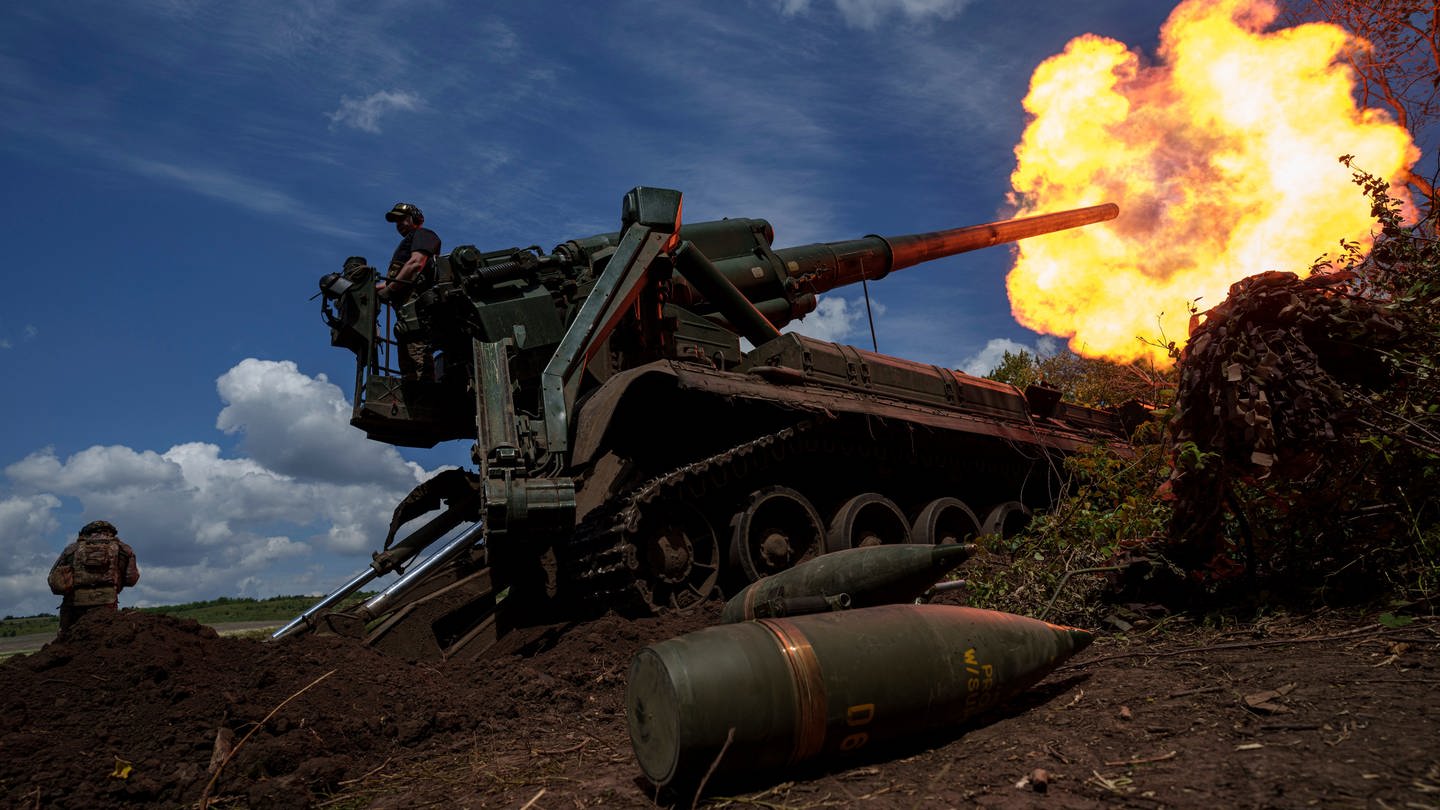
x: 602, y: 564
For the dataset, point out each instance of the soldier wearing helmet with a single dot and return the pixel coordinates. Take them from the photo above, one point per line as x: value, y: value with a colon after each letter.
x: 412, y: 271
x: 91, y: 572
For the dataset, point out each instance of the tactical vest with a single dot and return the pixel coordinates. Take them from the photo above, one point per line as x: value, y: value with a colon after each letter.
x: 97, y: 571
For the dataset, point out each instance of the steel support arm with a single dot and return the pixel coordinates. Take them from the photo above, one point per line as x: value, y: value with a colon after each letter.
x: 615, y: 292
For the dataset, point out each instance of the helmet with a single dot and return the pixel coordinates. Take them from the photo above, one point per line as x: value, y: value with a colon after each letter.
x: 402, y: 210
x: 98, y: 528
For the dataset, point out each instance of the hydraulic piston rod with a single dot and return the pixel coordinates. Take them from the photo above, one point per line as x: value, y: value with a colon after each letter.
x: 303, y: 620
x: 382, y: 602
x: 383, y: 563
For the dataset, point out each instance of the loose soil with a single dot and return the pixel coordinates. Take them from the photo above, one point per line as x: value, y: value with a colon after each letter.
x: 1327, y: 711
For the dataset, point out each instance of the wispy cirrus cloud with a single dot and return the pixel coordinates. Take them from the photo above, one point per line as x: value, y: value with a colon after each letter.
x: 27, y: 334
x: 232, y: 188
x: 868, y: 14
x: 364, y: 114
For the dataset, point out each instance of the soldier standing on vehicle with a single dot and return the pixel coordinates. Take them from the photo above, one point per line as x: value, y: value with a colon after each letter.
x: 412, y: 271
x: 91, y: 572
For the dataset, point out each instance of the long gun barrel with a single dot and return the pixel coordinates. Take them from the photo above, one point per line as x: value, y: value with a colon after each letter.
x: 825, y: 266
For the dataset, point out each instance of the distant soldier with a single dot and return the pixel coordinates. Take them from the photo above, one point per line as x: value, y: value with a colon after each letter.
x: 412, y: 271
x: 91, y: 572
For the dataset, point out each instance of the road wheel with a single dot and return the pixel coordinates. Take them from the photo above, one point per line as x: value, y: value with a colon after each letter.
x: 679, y: 558
x: 868, y: 519
x: 943, y: 522
x: 778, y: 528
x: 1006, y: 519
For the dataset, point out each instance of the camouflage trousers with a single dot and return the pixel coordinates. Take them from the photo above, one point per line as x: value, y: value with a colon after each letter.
x: 417, y: 360
x: 415, y: 356
x: 71, y: 613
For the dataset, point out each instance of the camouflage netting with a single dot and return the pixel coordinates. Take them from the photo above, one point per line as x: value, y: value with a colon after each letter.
x: 1278, y: 467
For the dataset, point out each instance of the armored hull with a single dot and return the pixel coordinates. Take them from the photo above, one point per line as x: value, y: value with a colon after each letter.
x: 793, y: 463
x: 631, y: 454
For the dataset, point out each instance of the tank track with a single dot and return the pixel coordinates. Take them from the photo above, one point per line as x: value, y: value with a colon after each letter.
x: 601, y: 564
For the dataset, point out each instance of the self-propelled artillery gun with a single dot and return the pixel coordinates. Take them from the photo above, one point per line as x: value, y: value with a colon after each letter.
x: 631, y: 451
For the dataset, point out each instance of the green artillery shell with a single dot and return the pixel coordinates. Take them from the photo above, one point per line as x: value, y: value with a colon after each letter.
x: 873, y: 575
x: 774, y: 692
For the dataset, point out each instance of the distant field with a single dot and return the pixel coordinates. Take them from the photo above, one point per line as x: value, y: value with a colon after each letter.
x: 217, y: 611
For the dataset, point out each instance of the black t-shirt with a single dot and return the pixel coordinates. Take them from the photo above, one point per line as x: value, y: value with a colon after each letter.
x: 425, y: 241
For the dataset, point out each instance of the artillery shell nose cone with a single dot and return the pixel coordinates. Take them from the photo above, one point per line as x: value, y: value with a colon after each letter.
x: 1079, y: 639
x: 871, y: 575
x: 947, y: 557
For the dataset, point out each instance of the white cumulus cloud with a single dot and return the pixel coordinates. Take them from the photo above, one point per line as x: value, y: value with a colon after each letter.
x: 365, y: 113
x: 984, y: 361
x: 837, y: 319
x: 117, y: 470
x: 26, y: 523
x: 300, y: 425
x: 24, y: 518
x: 308, y: 491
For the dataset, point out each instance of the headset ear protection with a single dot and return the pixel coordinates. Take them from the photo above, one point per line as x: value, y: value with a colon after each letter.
x: 404, y: 211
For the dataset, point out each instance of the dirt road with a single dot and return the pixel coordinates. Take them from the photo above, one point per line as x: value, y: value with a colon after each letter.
x: 13, y: 645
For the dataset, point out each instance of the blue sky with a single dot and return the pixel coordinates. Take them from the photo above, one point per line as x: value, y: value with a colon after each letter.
x: 178, y: 174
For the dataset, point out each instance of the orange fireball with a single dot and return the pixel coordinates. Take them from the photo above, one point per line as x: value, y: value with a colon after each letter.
x: 1222, y: 157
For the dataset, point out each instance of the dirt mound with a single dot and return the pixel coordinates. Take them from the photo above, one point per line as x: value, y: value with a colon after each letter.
x: 153, y: 693
x: 1281, y: 714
